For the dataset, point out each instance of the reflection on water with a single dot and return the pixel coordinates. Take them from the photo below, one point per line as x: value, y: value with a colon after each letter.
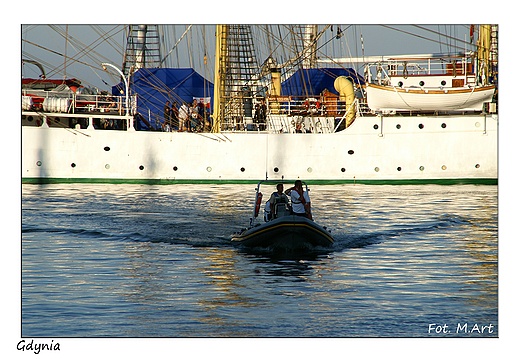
x: 128, y: 260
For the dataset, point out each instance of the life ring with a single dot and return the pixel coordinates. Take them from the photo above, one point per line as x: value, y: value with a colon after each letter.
x: 258, y: 202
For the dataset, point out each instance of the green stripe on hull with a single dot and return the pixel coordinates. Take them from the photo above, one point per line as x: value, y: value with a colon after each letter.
x: 443, y: 181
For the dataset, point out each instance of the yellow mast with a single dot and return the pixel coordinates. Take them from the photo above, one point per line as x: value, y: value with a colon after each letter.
x: 484, y: 44
x: 220, y: 61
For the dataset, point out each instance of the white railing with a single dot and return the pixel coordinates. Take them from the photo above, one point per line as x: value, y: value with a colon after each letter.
x: 306, y: 106
x: 455, y: 65
x: 48, y: 101
x: 292, y: 114
x: 406, y: 70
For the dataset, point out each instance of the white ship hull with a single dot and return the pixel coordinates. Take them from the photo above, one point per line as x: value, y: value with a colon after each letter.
x: 451, y: 149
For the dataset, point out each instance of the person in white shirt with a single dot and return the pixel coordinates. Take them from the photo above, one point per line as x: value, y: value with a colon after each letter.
x: 307, y: 205
x: 300, y: 200
x: 183, y: 116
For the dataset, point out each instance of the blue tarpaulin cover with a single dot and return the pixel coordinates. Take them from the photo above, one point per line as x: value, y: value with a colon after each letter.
x: 155, y: 86
x: 306, y: 82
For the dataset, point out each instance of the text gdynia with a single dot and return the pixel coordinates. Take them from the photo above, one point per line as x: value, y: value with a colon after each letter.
x: 37, y: 347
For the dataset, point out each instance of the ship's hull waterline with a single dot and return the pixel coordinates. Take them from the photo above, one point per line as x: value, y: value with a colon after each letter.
x: 373, y: 149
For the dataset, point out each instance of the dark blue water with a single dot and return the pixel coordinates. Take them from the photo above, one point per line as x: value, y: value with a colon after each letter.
x: 156, y: 261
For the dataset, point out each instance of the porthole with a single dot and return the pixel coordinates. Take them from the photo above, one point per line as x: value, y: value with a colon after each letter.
x: 443, y: 125
x: 421, y: 168
x: 477, y: 124
x: 343, y: 169
x: 30, y: 119
x: 107, y: 166
x: 276, y: 169
x: 73, y: 165
x: 242, y: 169
x: 376, y: 169
x: 106, y: 148
x: 443, y: 83
x: 398, y: 126
x: 421, y: 83
x: 400, y: 84
x: 444, y: 167
x: 477, y: 165
x: 350, y: 152
x: 309, y: 169
x: 399, y: 169
x: 39, y: 163
x: 208, y: 169
x: 175, y: 168
x: 141, y: 167
x: 421, y: 126
x: 376, y: 126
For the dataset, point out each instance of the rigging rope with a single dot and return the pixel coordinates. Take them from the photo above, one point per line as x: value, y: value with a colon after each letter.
x: 88, y: 51
x: 426, y: 38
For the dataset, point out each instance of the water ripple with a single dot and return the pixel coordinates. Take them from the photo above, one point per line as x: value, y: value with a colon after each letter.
x: 132, y: 260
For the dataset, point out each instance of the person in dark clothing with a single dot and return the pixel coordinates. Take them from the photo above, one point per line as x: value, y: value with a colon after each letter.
x: 174, y: 115
x: 167, y: 116
x: 278, y: 197
x: 262, y: 115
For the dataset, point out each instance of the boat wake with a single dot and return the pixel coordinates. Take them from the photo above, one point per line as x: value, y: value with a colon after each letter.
x: 78, y: 232
x: 345, y: 241
x: 191, y: 234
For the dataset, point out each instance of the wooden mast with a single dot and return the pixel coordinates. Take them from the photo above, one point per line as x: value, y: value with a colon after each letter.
x: 236, y: 74
x: 488, y: 52
x: 220, y: 68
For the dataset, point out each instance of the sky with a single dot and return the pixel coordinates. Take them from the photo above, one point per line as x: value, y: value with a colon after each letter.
x: 377, y: 40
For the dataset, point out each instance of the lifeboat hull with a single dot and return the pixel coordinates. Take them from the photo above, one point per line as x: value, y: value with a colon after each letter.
x: 386, y: 98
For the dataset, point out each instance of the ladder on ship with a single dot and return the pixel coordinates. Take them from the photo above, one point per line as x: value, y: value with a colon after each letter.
x: 142, y: 48
x: 238, y: 71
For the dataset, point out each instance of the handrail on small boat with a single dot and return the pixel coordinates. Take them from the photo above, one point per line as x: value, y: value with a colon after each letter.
x: 277, y: 181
